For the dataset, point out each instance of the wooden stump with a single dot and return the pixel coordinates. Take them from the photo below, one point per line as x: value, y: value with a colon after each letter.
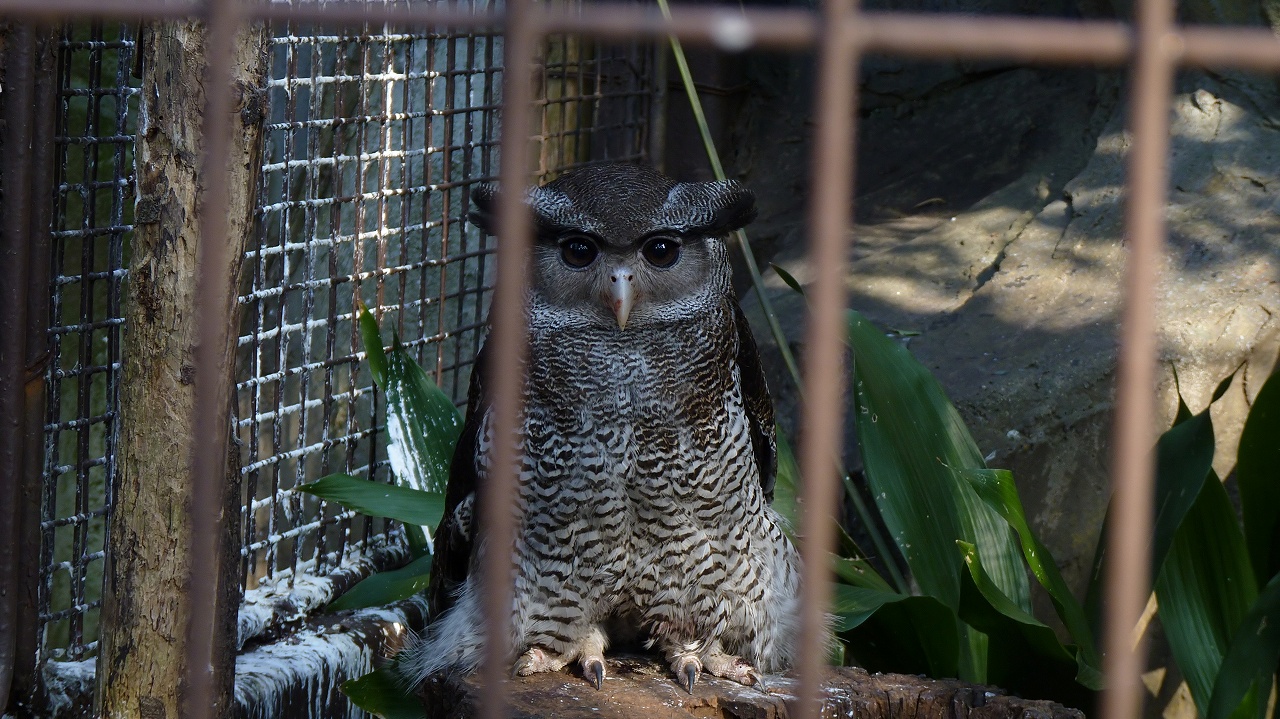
x: 644, y: 688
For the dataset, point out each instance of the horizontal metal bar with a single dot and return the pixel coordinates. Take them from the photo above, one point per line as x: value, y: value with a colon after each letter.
x: 932, y: 35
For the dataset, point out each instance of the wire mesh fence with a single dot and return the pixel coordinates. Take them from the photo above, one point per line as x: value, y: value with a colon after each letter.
x: 95, y: 119
x: 374, y: 139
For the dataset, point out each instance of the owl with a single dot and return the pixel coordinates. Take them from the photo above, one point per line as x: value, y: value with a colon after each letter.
x: 647, y: 462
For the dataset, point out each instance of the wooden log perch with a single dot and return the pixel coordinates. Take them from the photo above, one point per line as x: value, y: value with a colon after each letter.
x: 643, y: 687
x: 146, y: 607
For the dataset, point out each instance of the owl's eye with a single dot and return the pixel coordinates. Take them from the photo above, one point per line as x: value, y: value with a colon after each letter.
x: 661, y: 251
x: 578, y: 252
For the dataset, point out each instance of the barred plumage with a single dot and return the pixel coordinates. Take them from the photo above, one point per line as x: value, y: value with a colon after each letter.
x: 648, y: 458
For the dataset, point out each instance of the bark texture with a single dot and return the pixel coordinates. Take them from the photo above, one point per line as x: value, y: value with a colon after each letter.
x: 145, y: 608
x: 642, y: 687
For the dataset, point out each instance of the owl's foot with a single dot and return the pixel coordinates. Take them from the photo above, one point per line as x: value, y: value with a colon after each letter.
x: 687, y: 667
x: 588, y: 651
x: 728, y: 666
x: 593, y: 670
x: 537, y: 660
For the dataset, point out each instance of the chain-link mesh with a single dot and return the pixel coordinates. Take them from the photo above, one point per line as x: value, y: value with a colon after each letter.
x: 374, y: 142
x: 93, y: 209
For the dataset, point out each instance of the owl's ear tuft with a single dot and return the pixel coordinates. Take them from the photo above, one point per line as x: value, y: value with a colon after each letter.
x: 484, y: 198
x: 710, y: 208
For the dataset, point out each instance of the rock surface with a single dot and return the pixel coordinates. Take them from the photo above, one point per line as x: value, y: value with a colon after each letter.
x: 1016, y: 302
x: 641, y: 687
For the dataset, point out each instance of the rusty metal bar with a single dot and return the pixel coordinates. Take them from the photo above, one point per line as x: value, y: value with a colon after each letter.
x: 508, y: 340
x: 211, y: 426
x: 14, y: 258
x: 1128, y: 580
x: 933, y: 35
x: 830, y: 218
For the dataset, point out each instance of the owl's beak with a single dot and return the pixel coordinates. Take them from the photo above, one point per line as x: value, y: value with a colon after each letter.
x: 621, y: 294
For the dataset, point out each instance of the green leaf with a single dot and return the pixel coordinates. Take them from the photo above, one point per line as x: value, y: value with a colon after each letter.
x: 887, y: 631
x: 1184, y: 457
x: 411, y: 506
x: 422, y: 423
x: 784, y: 486
x: 381, y: 692
x: 1205, y: 589
x: 786, y: 277
x: 1258, y: 476
x: 859, y: 573
x: 915, y: 448
x: 1254, y: 654
x: 1023, y: 654
x: 386, y: 587
x: 996, y: 488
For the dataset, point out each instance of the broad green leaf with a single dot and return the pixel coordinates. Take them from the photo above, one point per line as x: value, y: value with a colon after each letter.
x: 411, y: 506
x: 996, y: 488
x: 1254, y: 654
x: 381, y: 692
x: 386, y: 587
x: 787, y: 482
x: 1205, y: 590
x: 422, y: 423
x: 1258, y: 476
x: 1023, y: 654
x: 891, y: 632
x: 914, y: 448
x: 1184, y: 457
x: 784, y: 501
x: 859, y: 573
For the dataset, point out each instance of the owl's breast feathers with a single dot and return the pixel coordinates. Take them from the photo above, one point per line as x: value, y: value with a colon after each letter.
x: 668, y: 411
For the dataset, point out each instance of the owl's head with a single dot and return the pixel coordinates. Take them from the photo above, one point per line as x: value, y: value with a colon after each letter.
x: 626, y: 244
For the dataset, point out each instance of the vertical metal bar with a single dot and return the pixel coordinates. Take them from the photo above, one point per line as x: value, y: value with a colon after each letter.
x: 1133, y: 473
x: 830, y: 214
x: 14, y: 258
x: 26, y: 575
x: 506, y: 375
x: 209, y: 436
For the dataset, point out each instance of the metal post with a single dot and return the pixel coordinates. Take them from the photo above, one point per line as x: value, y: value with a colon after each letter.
x: 15, y: 249
x: 1128, y: 580
x: 509, y: 338
x: 830, y: 217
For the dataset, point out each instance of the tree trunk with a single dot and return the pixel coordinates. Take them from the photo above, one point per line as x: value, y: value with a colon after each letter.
x: 142, y: 659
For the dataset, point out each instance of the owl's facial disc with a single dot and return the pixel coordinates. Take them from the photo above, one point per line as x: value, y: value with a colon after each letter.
x: 622, y: 294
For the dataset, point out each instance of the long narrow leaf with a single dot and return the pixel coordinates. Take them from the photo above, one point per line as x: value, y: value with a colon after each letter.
x: 422, y: 423
x: 914, y: 447
x: 386, y: 587
x: 1254, y: 655
x: 996, y: 488
x: 1258, y: 476
x: 376, y: 499
x: 888, y: 631
x: 1205, y: 590
x: 1024, y: 654
x: 786, y: 483
x: 380, y: 692
x: 1184, y: 457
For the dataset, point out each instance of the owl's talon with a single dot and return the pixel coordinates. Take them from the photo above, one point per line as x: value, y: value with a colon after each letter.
x: 593, y: 670
x: 687, y: 667
x: 691, y: 676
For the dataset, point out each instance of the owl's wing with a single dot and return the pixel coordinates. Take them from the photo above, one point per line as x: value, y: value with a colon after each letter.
x: 453, y: 544
x: 755, y: 395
